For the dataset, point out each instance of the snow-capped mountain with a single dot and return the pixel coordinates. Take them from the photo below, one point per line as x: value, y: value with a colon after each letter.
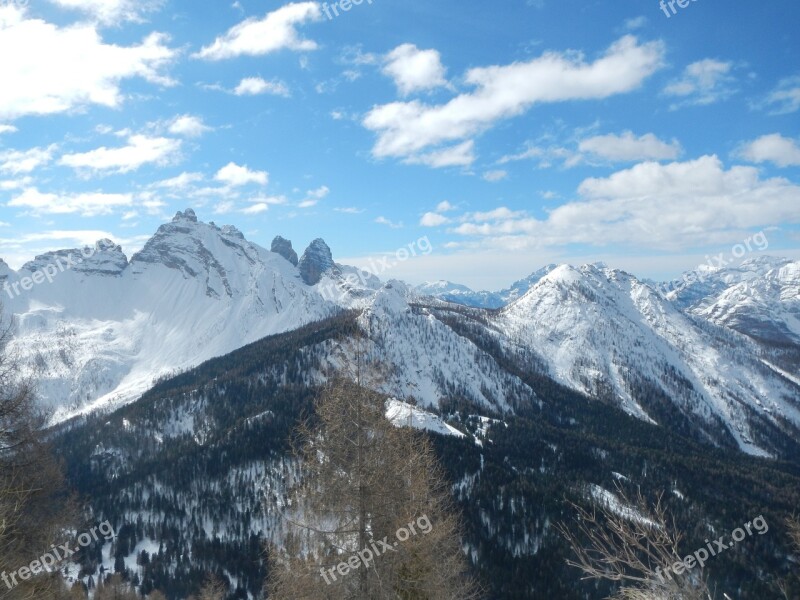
x: 105, y: 329
x: 102, y: 331
x: 607, y: 334
x: 461, y: 294
x: 760, y: 298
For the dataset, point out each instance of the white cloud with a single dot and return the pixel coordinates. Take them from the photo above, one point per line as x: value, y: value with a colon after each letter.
x: 314, y: 196
x: 444, y: 206
x: 785, y: 98
x: 236, y: 175
x: 256, y: 37
x: 87, y: 204
x: 16, y: 162
x: 253, y: 86
x: 349, y: 210
x: 596, y: 150
x: 461, y: 155
x: 627, y: 147
x: 432, y: 219
x: 15, y: 184
x: 635, y: 23
x: 256, y: 208
x: 406, y: 128
x: 55, y: 69
x: 415, y: 70
x: 189, y: 126
x: 271, y: 200
x: 180, y: 182
x: 141, y: 150
x: 674, y: 206
x: 783, y: 151
x: 224, y: 207
x: 703, y: 82
x: 111, y: 11
x: 494, y: 176
x: 391, y: 224
x: 7, y: 129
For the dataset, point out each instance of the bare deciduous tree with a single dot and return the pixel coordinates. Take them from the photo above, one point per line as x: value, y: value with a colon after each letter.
x: 634, y: 545
x: 363, y: 480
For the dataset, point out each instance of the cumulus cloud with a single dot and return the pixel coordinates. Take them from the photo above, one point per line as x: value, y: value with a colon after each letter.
x: 255, y: 209
x: 415, y: 70
x: 111, y: 11
x: 314, y: 196
x: 774, y: 148
x: 652, y: 205
x: 460, y: 155
x: 180, y: 182
x: 432, y: 219
x: 15, y: 162
x: 785, y: 98
x: 237, y: 175
x: 628, y: 147
x: 87, y: 204
x: 188, y: 126
x: 56, y: 69
x: 703, y: 82
x: 389, y: 223
x: 254, y: 86
x: 404, y: 129
x: 257, y: 37
x: 596, y: 150
x: 496, y: 175
x: 140, y: 150
x: 7, y: 129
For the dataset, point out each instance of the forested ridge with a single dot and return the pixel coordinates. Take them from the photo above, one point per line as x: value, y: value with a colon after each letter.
x: 194, y: 472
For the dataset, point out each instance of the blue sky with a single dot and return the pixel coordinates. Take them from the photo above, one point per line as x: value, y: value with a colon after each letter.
x: 511, y: 134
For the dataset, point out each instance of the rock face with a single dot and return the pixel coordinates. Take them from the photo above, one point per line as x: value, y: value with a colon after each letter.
x: 188, y: 215
x: 316, y: 260
x: 283, y: 247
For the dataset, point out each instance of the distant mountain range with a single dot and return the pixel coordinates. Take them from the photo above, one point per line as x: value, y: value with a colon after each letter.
x: 718, y: 358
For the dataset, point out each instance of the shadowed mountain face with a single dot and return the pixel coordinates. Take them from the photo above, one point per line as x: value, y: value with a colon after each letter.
x: 283, y: 247
x: 315, y: 262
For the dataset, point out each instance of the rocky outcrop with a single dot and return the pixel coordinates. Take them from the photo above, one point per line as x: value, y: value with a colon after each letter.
x: 283, y: 247
x: 316, y: 261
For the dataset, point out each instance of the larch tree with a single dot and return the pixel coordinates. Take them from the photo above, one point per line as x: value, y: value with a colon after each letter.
x: 33, y: 513
x: 372, y: 516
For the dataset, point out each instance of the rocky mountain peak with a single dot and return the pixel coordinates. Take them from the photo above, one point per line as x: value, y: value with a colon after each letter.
x: 282, y: 246
x: 316, y: 261
x: 187, y: 215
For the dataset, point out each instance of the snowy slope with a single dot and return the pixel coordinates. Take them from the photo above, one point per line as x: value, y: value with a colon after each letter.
x: 402, y: 414
x: 760, y: 298
x: 609, y: 335
x: 100, y: 333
